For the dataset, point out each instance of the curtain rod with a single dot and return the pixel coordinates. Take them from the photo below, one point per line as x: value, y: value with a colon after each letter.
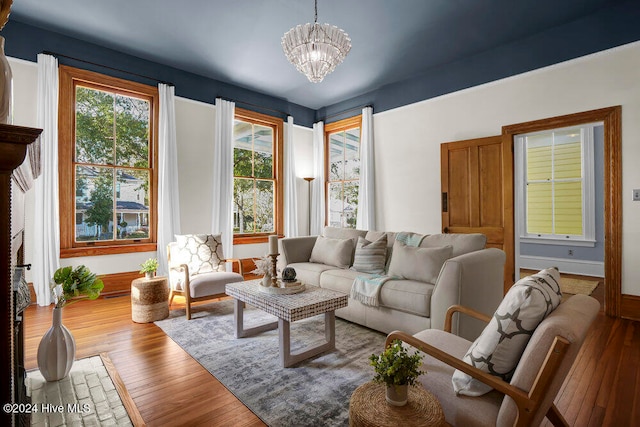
x: 348, y: 110
x: 46, y: 52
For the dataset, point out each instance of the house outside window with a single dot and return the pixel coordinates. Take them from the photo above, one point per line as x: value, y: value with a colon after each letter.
x: 257, y: 170
x: 343, y: 171
x: 107, y: 164
x: 556, y: 184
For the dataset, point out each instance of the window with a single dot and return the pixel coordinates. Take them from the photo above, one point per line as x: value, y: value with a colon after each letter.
x: 257, y: 168
x: 556, y: 184
x: 107, y: 141
x: 343, y: 171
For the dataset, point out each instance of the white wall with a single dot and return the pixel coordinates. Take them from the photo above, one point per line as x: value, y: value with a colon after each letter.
x: 408, y: 139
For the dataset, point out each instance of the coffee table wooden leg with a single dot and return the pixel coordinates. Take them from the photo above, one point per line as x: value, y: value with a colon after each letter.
x: 238, y: 322
x: 284, y: 331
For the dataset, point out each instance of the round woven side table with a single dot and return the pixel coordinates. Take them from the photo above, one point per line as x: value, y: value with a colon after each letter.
x: 369, y: 408
x: 149, y: 299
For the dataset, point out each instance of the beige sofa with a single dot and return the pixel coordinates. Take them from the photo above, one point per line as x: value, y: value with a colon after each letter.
x: 472, y: 276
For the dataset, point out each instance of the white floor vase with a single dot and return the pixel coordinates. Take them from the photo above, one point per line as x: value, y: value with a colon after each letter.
x: 57, y: 350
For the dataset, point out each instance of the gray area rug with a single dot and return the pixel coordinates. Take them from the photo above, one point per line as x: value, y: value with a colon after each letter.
x: 314, y: 392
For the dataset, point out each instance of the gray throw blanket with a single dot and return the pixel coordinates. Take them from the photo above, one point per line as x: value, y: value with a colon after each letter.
x: 366, y: 289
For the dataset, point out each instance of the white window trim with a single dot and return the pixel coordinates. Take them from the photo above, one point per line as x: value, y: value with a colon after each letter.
x: 588, y: 200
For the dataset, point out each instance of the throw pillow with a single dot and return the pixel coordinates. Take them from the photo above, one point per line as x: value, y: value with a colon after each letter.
x: 335, y: 252
x: 415, y: 263
x: 370, y: 256
x: 201, y: 252
x: 499, y: 348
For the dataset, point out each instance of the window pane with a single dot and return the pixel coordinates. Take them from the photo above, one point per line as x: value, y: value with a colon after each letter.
x: 350, y: 204
x: 568, y: 208
x: 265, y: 222
x: 132, y: 132
x: 242, y: 149
x: 336, y: 156
x: 352, y: 154
x: 539, y: 208
x: 263, y: 151
x: 335, y: 204
x: 539, y: 157
x: 243, y: 203
x: 567, y: 160
x: 132, y: 204
x: 94, y: 201
x: 94, y: 126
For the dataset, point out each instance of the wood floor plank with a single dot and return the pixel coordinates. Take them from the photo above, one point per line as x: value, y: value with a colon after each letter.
x: 170, y: 388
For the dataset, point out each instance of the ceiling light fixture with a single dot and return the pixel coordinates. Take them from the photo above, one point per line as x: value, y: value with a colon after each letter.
x: 315, y: 50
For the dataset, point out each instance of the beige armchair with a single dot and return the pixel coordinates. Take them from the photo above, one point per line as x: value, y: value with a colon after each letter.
x: 541, y: 370
x: 197, y: 287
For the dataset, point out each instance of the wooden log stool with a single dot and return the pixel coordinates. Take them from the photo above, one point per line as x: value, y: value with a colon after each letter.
x: 149, y: 299
x: 368, y: 408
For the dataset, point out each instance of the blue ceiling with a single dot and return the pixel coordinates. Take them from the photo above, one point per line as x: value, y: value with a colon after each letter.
x: 419, y: 48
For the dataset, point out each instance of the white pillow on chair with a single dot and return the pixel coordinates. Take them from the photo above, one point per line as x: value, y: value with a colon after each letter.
x: 201, y: 252
x: 498, y: 349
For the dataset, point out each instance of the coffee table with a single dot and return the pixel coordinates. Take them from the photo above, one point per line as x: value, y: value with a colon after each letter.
x: 288, y: 308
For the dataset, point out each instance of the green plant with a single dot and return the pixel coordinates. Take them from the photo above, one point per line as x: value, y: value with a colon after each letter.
x: 72, y: 283
x: 395, y: 366
x: 149, y: 266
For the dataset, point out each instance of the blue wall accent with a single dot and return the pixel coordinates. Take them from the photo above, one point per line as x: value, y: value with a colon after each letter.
x: 603, y: 30
x: 26, y: 42
x: 581, y: 253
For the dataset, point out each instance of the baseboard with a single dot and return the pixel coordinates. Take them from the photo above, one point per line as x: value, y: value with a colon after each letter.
x: 581, y: 267
x: 630, y: 307
x: 117, y: 284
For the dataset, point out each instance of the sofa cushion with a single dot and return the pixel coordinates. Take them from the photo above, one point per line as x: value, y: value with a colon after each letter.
x: 462, y: 243
x: 499, y: 348
x: 415, y: 263
x: 340, y: 280
x: 207, y: 284
x: 335, y: 252
x: 343, y: 233
x: 370, y: 256
x: 201, y: 252
x: 410, y: 296
x: 309, y: 272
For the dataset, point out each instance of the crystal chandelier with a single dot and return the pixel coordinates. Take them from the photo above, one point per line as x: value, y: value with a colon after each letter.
x: 316, y: 49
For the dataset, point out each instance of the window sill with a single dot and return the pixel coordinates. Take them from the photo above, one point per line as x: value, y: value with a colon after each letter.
x: 558, y: 242
x: 247, y: 240
x: 106, y: 250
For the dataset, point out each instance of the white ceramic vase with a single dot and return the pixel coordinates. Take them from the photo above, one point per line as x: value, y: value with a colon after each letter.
x: 57, y: 350
x: 397, y: 395
x: 5, y: 86
x: 266, y: 280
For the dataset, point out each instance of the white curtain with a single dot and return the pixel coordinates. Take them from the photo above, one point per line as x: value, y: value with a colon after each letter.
x: 46, y: 230
x: 290, y: 184
x: 365, y: 219
x: 317, y: 185
x: 222, y: 165
x: 168, y: 192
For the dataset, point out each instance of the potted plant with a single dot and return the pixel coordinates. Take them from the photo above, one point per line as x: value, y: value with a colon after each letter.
x: 397, y: 369
x: 149, y: 268
x: 57, y: 349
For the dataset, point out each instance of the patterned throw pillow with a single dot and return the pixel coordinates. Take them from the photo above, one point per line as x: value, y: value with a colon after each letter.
x: 501, y: 344
x: 201, y: 252
x: 370, y: 256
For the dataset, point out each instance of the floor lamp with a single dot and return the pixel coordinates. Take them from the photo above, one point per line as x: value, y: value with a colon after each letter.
x: 309, y: 179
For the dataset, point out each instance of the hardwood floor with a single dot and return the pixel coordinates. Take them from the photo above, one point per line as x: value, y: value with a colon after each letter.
x: 172, y: 389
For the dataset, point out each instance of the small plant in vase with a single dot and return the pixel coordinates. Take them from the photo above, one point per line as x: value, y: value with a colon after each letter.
x: 397, y: 369
x: 57, y: 349
x: 149, y: 268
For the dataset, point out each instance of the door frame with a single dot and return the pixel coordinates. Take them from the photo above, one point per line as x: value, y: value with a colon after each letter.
x: 611, y: 117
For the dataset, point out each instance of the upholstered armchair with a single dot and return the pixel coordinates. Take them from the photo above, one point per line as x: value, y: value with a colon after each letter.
x: 527, y: 397
x: 197, y: 269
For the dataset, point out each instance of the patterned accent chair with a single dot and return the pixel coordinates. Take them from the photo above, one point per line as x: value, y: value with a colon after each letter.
x: 528, y: 396
x: 197, y: 269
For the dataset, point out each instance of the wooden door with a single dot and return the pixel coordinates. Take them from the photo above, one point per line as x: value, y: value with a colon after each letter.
x: 477, y: 193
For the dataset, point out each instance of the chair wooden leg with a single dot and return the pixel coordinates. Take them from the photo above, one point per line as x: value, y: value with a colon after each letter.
x: 171, y: 295
x: 556, y: 418
x: 188, y: 309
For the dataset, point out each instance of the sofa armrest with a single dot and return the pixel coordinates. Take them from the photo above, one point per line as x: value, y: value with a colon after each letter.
x: 296, y: 249
x: 474, y: 280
